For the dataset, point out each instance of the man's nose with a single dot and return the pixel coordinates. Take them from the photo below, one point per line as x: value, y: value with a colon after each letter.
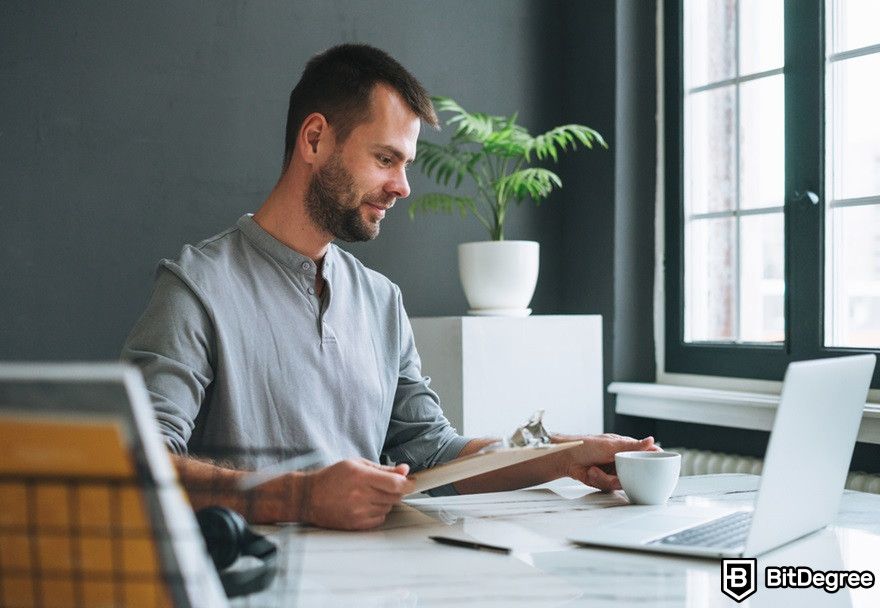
x: 399, y: 185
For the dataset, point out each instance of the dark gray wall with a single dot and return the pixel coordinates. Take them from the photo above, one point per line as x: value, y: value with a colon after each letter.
x: 582, y: 219
x: 635, y: 166
x: 129, y: 129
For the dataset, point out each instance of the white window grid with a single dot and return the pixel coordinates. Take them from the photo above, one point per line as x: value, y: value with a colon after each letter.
x: 836, y: 293
x: 737, y: 212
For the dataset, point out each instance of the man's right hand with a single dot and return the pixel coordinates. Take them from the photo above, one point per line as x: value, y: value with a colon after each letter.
x: 353, y: 494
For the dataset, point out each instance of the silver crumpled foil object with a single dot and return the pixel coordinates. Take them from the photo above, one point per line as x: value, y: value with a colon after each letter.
x: 531, y: 434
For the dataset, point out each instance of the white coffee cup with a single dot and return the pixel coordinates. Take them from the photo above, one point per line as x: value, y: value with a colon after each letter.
x: 648, y: 478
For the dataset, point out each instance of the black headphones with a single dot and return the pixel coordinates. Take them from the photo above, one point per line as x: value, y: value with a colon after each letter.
x: 228, y: 537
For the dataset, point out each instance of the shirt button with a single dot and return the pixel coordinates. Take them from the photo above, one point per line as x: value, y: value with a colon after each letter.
x: 311, y: 290
x: 306, y: 266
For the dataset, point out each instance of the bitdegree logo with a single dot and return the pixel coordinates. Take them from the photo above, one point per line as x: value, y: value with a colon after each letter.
x: 738, y: 578
x: 800, y: 577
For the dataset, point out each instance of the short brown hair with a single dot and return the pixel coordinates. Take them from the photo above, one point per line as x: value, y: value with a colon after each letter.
x: 338, y: 83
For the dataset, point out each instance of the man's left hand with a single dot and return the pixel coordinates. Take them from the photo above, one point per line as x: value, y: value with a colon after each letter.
x: 593, y: 462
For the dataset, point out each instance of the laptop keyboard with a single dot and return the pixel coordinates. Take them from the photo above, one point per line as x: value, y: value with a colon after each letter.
x: 728, y: 532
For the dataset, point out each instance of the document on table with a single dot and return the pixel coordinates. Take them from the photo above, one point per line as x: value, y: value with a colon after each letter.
x: 483, y: 462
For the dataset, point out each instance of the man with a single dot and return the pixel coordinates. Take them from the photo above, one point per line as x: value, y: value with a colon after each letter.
x: 269, y: 336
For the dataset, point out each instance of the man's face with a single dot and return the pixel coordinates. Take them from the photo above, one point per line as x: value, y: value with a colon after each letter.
x: 362, y: 178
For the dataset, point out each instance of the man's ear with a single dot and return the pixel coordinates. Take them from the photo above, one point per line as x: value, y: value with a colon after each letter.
x: 314, y: 137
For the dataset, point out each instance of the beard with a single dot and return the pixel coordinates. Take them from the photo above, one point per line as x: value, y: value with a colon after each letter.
x: 333, y: 205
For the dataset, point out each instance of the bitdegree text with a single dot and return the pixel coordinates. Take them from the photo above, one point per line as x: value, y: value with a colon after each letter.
x: 797, y: 577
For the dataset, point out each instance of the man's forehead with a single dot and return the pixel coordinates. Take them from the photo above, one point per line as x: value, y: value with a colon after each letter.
x: 384, y: 97
x: 391, y: 122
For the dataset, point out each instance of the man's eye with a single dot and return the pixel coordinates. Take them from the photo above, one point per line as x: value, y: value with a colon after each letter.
x: 385, y: 160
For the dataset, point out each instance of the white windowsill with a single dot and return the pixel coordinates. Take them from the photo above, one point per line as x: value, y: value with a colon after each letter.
x: 718, y: 407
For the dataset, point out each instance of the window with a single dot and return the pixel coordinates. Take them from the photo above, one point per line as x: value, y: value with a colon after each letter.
x: 773, y: 205
x: 852, y: 165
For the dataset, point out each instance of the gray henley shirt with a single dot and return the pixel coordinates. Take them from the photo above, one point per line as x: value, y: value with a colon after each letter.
x: 239, y: 352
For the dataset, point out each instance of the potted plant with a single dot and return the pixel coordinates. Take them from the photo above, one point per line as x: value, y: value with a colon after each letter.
x: 496, y: 155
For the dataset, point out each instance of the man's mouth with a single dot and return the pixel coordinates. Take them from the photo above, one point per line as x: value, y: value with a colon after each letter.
x: 380, y: 207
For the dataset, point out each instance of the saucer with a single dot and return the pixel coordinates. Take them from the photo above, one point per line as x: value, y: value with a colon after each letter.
x: 500, y: 312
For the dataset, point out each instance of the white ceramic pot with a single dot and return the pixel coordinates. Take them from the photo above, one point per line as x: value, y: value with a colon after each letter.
x: 499, y: 277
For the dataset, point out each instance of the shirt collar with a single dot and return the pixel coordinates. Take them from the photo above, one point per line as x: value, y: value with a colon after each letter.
x: 286, y: 256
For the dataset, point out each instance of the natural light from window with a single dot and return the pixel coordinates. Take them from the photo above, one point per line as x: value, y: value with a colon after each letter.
x: 852, y: 184
x: 734, y: 167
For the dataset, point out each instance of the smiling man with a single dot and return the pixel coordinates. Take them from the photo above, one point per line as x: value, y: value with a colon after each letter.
x: 269, y: 337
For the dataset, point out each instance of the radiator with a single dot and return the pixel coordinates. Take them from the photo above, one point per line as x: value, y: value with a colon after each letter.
x: 702, y: 462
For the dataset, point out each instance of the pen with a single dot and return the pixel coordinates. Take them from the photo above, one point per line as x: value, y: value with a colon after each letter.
x: 469, y: 544
x: 257, y: 478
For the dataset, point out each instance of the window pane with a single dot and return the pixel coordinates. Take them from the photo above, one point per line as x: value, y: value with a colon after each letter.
x: 710, y: 151
x: 709, y: 41
x: 762, y: 142
x: 853, y: 277
x: 762, y: 266
x: 855, y: 127
x: 710, y: 296
x: 857, y: 24
x: 761, y: 36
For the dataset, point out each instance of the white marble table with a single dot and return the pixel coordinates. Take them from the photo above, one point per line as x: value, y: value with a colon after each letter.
x: 398, y: 566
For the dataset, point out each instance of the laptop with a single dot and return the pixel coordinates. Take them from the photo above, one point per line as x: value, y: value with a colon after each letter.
x: 82, y: 463
x: 804, y: 473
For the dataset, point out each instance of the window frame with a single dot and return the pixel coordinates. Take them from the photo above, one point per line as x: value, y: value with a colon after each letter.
x: 804, y: 301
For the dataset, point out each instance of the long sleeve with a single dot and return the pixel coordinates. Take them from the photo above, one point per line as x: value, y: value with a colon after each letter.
x: 172, y: 344
x: 418, y: 432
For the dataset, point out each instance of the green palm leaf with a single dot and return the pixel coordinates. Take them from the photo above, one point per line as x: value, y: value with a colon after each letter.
x: 562, y: 137
x: 470, y: 126
x: 482, y: 148
x: 442, y: 203
x: 535, y: 182
x: 443, y: 162
x: 509, y: 142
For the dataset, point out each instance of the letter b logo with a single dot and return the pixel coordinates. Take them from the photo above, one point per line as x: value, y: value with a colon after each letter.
x: 738, y: 578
